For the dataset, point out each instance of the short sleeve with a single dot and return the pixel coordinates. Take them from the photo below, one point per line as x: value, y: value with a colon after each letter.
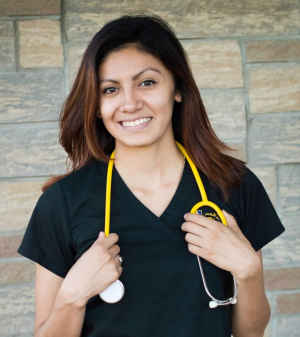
x: 260, y: 222
x: 47, y: 240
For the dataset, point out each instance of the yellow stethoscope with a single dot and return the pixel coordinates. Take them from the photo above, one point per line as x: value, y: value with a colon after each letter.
x: 116, y: 290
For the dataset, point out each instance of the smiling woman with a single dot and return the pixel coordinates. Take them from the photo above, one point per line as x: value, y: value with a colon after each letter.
x: 146, y: 164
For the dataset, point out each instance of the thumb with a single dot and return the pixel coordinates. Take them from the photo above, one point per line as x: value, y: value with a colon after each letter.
x: 231, y: 221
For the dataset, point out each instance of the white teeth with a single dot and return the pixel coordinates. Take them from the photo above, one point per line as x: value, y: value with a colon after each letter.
x: 136, y: 122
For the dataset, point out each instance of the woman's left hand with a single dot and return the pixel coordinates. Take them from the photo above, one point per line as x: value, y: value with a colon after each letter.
x: 224, y: 246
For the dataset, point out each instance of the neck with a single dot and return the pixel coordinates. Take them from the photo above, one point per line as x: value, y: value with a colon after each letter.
x: 151, y: 164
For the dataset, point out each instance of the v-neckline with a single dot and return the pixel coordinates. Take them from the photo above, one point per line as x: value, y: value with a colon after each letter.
x: 139, y: 203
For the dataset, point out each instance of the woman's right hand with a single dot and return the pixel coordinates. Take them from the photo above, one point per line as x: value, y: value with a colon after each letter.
x: 94, y: 271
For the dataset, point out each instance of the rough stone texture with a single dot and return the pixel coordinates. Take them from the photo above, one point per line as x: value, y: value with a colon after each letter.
x: 274, y: 139
x: 31, y: 96
x: 274, y: 88
x: 288, y: 326
x: 32, y: 7
x: 268, y: 177
x: 18, y: 326
x: 273, y: 50
x: 215, y: 64
x: 288, y: 303
x: 282, y: 279
x: 16, y: 271
x: 9, y: 245
x: 289, y: 188
x: 17, y: 299
x: 238, y: 150
x: 226, y: 112
x: 18, y: 197
x: 74, y: 56
x: 40, y: 44
x: 35, y: 150
x: 191, y: 18
x: 7, y: 46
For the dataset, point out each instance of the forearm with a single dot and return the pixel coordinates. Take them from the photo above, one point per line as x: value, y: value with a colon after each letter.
x: 252, y: 311
x: 66, y: 318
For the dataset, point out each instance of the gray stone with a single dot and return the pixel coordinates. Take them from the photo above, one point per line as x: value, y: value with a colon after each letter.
x: 7, y: 46
x: 16, y: 325
x: 226, y: 112
x: 288, y: 326
x: 274, y: 139
x: 289, y: 188
x: 30, y: 149
x: 190, y: 18
x: 31, y: 96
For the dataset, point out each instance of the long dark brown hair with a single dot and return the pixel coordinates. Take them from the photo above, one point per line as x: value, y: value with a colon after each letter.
x: 82, y: 133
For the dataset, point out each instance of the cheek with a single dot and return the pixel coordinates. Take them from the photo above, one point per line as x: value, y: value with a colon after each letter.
x: 107, y: 108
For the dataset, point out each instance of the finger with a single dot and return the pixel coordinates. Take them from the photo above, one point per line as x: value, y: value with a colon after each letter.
x: 200, y: 220
x: 193, y: 239
x: 114, y: 251
x: 108, y: 241
x: 231, y: 221
x: 194, y: 228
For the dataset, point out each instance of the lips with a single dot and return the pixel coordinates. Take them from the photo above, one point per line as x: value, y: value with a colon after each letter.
x: 136, y: 122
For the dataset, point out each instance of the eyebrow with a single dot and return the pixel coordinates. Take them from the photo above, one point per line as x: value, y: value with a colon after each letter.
x: 134, y: 77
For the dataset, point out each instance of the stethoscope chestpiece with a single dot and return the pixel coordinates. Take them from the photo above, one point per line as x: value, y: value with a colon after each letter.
x: 113, y: 293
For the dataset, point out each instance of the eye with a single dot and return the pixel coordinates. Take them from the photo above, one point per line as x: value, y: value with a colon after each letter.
x: 109, y: 91
x: 148, y: 83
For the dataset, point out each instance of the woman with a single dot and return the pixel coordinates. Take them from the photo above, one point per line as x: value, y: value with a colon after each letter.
x: 135, y: 95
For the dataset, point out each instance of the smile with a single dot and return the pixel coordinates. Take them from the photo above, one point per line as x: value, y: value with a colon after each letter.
x: 136, y: 122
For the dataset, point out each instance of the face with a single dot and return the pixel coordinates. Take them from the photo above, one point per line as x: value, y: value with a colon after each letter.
x: 137, y: 95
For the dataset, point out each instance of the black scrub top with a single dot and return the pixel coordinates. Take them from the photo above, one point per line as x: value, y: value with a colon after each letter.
x: 164, y: 293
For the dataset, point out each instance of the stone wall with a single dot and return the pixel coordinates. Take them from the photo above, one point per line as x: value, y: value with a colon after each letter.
x: 246, y: 58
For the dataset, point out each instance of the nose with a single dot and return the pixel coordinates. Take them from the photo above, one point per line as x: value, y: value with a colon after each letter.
x: 130, y: 101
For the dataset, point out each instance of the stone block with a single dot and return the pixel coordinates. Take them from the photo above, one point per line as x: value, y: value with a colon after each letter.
x: 215, y: 64
x: 191, y: 19
x: 274, y: 139
x: 226, y: 111
x: 31, y: 96
x: 18, y: 197
x: 288, y: 303
x: 288, y: 326
x: 33, y: 152
x: 289, y: 188
x: 32, y: 7
x: 7, y: 46
x: 9, y: 245
x: 282, y: 279
x: 74, y: 56
x: 267, y: 175
x: 238, y: 150
x: 17, y: 299
x: 40, y: 44
x: 17, y: 326
x: 16, y: 271
x: 274, y: 88
x: 273, y: 50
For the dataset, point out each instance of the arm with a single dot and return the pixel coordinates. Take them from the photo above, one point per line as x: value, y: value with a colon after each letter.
x: 54, y: 309
x: 61, y: 303
x: 251, y: 313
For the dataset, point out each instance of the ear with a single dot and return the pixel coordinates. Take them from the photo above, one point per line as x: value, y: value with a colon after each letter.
x: 178, y: 97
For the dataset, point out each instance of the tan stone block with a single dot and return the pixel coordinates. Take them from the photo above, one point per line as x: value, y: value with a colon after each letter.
x: 238, y: 151
x: 16, y: 271
x: 289, y: 188
x: 40, y: 44
x: 215, y: 64
x: 75, y: 53
x: 9, y: 245
x: 288, y: 303
x: 274, y: 88
x: 273, y: 50
x: 267, y: 175
x: 31, y: 95
x: 282, y: 279
x: 17, y: 326
x: 32, y: 7
x: 18, y: 198
x: 34, y: 151
x: 226, y: 111
x: 16, y: 300
x: 7, y: 46
x: 190, y: 19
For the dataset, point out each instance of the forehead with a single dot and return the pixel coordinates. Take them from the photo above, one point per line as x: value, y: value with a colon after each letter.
x: 128, y: 60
